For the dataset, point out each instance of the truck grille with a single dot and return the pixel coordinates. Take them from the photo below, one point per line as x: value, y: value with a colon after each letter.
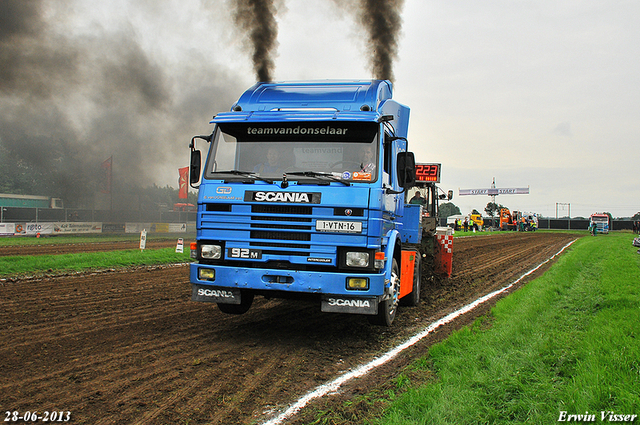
x: 288, y: 232
x: 287, y: 236
x: 276, y: 230
x: 281, y: 209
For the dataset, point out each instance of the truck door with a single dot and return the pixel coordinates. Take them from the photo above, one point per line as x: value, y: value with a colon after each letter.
x: 393, y: 195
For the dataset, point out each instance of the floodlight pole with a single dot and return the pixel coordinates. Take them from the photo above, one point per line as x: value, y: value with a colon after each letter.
x: 563, y: 204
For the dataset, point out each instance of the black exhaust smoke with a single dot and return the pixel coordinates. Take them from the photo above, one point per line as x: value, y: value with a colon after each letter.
x: 381, y: 19
x: 26, y: 64
x: 70, y: 102
x: 257, y: 19
x: 382, y: 23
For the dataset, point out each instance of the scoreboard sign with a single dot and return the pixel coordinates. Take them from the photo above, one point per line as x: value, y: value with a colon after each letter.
x: 428, y: 173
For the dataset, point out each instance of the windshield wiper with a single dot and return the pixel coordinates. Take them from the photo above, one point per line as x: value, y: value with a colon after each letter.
x: 245, y: 174
x: 319, y: 176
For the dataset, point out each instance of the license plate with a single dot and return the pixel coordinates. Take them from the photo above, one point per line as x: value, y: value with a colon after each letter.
x: 339, y: 226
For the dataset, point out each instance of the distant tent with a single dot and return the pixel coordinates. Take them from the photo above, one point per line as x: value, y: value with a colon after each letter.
x: 184, y: 207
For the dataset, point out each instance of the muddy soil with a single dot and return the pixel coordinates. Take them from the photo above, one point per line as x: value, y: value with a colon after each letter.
x: 129, y: 347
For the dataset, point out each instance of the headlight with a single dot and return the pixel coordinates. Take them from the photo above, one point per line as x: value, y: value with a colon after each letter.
x: 206, y: 274
x: 211, y: 252
x: 357, y: 259
x: 358, y: 283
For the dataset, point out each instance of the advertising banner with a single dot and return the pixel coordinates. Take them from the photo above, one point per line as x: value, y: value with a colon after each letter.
x: 60, y: 228
x: 160, y: 227
x: 7, y: 229
x: 42, y: 228
x: 113, y: 228
x: 177, y: 227
x: 156, y: 227
x: 495, y: 191
x: 136, y: 227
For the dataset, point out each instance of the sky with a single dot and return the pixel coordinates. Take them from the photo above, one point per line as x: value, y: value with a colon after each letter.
x: 540, y: 94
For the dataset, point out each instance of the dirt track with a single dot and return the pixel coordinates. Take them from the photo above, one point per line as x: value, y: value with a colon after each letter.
x: 129, y: 347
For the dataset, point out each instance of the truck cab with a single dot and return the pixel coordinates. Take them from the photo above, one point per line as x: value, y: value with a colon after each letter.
x: 600, y: 221
x: 302, y: 195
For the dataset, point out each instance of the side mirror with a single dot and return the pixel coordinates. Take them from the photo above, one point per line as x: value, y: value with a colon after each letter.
x: 406, y: 169
x: 195, y: 164
x: 195, y: 167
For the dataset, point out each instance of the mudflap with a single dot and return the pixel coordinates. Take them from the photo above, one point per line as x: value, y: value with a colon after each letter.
x: 406, y: 272
x: 212, y: 294
x: 352, y: 305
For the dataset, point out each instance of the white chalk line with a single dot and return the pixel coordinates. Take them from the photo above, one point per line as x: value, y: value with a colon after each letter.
x: 333, y: 386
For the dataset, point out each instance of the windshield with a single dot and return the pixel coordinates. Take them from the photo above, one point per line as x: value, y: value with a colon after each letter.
x: 303, y: 150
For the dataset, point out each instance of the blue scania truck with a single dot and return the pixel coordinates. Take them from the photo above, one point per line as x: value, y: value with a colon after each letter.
x: 302, y: 196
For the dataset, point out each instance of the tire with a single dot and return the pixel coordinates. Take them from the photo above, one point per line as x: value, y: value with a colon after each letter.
x: 388, y: 308
x: 413, y: 299
x: 243, y: 307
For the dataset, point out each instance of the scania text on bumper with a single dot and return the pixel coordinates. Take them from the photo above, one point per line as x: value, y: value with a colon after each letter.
x: 215, y: 295
x: 340, y: 304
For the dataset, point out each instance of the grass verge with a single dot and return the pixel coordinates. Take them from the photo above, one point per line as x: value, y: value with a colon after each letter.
x: 20, y: 265
x: 89, y: 238
x: 566, y: 342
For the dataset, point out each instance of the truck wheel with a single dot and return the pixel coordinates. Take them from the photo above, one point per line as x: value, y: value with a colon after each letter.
x: 413, y: 299
x: 243, y: 307
x: 388, y: 308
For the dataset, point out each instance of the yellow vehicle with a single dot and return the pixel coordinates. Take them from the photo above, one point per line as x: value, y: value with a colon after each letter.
x: 455, y: 221
x: 476, y: 218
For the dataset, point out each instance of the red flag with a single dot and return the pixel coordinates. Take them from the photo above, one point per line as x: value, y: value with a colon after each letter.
x: 183, y: 182
x: 105, y: 180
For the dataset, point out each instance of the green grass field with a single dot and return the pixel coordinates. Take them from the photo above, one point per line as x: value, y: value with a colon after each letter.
x: 20, y: 265
x: 89, y: 238
x: 566, y: 344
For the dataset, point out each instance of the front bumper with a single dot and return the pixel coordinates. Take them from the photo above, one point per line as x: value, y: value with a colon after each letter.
x: 308, y: 282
